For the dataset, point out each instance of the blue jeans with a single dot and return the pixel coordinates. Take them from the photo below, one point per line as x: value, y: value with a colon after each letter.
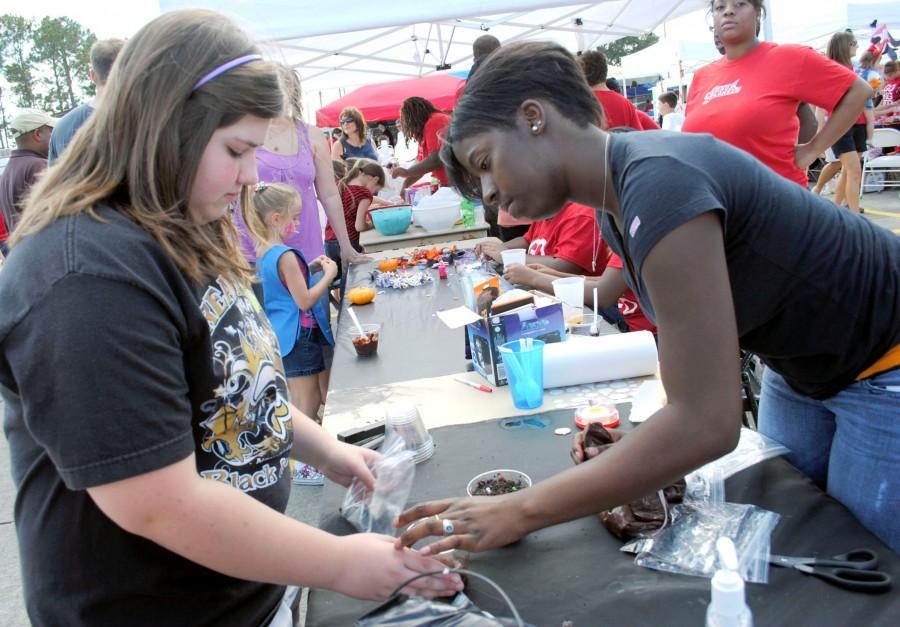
x: 848, y: 444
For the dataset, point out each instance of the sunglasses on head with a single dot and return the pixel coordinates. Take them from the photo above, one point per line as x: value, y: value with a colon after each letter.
x: 346, y: 120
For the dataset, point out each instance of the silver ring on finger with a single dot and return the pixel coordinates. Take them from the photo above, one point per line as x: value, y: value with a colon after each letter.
x: 448, y: 526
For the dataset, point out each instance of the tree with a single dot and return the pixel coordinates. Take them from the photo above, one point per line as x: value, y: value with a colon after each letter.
x: 63, y: 45
x: 15, y: 47
x: 619, y: 48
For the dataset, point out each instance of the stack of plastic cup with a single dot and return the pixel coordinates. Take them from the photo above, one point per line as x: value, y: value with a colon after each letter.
x: 405, y: 420
x: 524, y: 362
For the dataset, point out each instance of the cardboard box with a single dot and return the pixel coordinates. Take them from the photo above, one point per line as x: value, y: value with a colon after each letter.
x: 543, y: 322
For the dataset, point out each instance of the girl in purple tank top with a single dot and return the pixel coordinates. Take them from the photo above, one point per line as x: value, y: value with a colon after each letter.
x: 293, y: 156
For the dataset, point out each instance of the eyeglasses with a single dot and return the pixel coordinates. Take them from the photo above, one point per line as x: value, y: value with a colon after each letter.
x: 347, y: 120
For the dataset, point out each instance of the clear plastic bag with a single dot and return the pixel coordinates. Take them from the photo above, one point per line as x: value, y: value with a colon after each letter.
x: 688, y: 545
x: 394, y: 472
x: 707, y: 483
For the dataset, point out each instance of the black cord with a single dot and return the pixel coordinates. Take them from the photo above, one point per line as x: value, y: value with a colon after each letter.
x: 471, y: 573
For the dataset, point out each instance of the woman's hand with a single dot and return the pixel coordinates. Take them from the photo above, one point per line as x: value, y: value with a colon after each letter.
x: 375, y: 568
x: 805, y: 155
x: 480, y: 523
x: 353, y: 256
x: 344, y: 462
x: 581, y: 454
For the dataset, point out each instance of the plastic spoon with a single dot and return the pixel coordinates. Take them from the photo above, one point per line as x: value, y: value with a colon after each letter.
x: 595, y: 328
x: 356, y: 321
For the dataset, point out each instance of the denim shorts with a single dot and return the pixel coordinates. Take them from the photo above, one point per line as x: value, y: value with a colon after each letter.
x: 306, y: 358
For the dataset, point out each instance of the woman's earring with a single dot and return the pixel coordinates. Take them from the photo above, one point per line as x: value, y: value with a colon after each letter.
x: 535, y: 127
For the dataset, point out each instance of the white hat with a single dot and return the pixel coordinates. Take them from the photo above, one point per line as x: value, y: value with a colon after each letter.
x: 28, y: 120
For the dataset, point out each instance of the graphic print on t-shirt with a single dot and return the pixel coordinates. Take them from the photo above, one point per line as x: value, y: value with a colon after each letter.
x: 538, y: 247
x: 248, y: 429
x: 723, y: 90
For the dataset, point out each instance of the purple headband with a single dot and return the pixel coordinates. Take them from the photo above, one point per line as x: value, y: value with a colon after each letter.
x: 225, y: 67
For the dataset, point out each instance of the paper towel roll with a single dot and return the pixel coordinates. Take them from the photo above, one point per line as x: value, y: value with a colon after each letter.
x: 590, y: 359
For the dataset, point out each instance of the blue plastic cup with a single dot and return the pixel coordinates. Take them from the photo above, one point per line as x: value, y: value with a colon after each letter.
x: 524, y: 362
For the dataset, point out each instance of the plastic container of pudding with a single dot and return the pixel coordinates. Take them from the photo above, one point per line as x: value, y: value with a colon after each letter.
x: 366, y: 345
x: 501, y: 473
x: 604, y: 413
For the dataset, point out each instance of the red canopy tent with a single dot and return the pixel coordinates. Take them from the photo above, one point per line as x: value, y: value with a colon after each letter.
x: 382, y: 102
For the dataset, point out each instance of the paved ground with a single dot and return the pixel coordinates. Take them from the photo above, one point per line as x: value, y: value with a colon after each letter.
x: 883, y: 209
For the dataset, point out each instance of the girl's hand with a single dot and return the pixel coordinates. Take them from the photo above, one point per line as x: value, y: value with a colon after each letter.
x: 375, y: 568
x: 345, y: 462
x: 517, y: 274
x: 490, y: 248
x: 480, y: 523
x: 327, y: 264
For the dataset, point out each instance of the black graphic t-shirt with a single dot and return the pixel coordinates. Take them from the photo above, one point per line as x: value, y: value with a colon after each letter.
x: 113, y: 365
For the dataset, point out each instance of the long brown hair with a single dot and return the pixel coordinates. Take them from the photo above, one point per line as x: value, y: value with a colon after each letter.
x: 839, y: 48
x: 140, y: 150
x: 361, y: 128
x: 363, y: 166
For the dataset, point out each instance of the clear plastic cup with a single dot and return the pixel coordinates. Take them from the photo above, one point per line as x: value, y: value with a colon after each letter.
x: 524, y: 363
x: 514, y: 255
x: 366, y: 344
x: 570, y: 290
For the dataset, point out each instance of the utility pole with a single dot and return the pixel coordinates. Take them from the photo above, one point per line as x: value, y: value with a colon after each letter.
x: 3, y: 140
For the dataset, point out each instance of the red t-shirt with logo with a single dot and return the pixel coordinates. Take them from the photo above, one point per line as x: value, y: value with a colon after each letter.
x: 890, y: 96
x: 618, y: 110
x: 628, y: 303
x: 752, y: 102
x: 572, y: 235
x: 432, y: 139
x: 351, y: 196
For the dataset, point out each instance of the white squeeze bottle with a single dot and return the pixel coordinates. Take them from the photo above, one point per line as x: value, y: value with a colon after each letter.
x: 727, y: 606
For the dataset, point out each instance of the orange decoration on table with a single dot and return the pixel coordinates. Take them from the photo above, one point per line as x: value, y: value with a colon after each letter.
x: 361, y: 295
x: 388, y: 265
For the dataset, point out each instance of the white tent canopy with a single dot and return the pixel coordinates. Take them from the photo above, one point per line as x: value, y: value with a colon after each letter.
x: 340, y: 45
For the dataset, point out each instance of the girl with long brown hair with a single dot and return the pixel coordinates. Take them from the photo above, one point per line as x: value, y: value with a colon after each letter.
x: 849, y: 146
x: 422, y: 121
x: 147, y: 410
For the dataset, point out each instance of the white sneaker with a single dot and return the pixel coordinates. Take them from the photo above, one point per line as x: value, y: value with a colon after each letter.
x: 304, y: 474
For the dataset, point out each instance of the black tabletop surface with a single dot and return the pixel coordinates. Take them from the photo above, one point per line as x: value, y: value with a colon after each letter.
x: 576, y: 572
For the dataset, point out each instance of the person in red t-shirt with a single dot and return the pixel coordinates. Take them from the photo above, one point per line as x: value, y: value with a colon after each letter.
x: 569, y: 242
x: 420, y: 120
x: 617, y: 110
x: 612, y: 291
x: 357, y: 188
x: 888, y: 110
x: 750, y: 97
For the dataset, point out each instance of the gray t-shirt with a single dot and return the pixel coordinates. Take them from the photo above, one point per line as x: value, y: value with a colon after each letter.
x: 816, y: 289
x: 65, y: 130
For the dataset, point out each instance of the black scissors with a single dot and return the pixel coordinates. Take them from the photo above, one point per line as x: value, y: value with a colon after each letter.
x: 854, y: 570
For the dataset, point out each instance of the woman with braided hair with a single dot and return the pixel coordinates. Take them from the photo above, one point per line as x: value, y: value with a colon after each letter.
x: 422, y: 121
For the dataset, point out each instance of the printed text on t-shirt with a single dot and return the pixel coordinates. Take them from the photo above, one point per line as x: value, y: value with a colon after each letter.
x: 718, y: 91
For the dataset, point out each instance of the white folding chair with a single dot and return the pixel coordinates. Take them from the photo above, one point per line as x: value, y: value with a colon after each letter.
x: 883, y: 138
